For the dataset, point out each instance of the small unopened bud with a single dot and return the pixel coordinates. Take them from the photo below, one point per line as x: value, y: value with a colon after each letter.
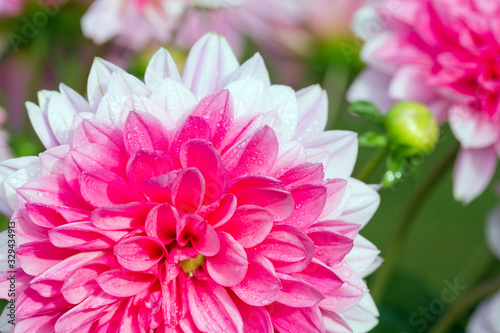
x: 411, y: 129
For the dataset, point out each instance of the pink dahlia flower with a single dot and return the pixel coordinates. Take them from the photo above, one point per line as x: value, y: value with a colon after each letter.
x: 443, y: 53
x: 207, y: 202
x: 485, y: 317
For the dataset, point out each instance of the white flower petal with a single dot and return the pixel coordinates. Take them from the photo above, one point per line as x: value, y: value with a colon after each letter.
x: 209, y: 65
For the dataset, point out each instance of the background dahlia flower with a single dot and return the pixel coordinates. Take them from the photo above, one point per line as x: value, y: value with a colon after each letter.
x: 10, y: 7
x: 207, y: 202
x: 443, y: 53
x: 485, y: 317
x: 135, y: 24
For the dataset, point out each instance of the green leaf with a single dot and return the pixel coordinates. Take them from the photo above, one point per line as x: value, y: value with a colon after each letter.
x: 372, y: 140
x: 368, y: 111
x: 395, y: 171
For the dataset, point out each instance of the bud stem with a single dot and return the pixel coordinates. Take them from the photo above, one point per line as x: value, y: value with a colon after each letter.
x: 464, y: 303
x: 373, y: 164
x: 382, y: 276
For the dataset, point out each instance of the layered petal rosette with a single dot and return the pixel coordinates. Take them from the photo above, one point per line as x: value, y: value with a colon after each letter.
x: 443, y: 53
x: 207, y: 202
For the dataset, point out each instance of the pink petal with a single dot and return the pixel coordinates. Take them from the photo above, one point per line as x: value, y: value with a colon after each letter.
x: 473, y: 171
x: 297, y: 293
x: 174, y: 301
x: 192, y: 228
x: 146, y: 164
x: 260, y: 286
x: 37, y: 257
x: 27, y: 231
x: 335, y: 192
x: 296, y: 320
x: 126, y: 216
x: 38, y: 324
x: 91, y: 156
x: 31, y: 303
x: 330, y: 247
x: 101, y: 187
x: 22, y: 282
x: 95, y: 131
x: 249, y: 182
x: 320, y: 276
x: 240, y: 129
x: 52, y: 160
x: 60, y: 271
x: 278, y: 202
x: 255, y: 318
x: 211, y: 308
x: 309, y: 203
x: 218, y: 109
x: 259, y: 154
x: 84, y: 236
x: 214, y: 54
x: 92, y: 308
x: 346, y: 229
x: 44, y: 216
x: 249, y: 225
x: 288, y: 248
x: 193, y: 128
x: 349, y: 294
x: 229, y: 266
x: 144, y: 131
x: 220, y: 212
x: 307, y: 173
x: 82, y: 283
x: 410, y: 83
x: 159, y: 189
x: 139, y: 253
x: 161, y: 223
x: 202, y: 155
x: 188, y: 191
x: 124, y: 283
x: 52, y: 190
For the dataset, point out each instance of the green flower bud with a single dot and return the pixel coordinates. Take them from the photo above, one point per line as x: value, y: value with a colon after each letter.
x: 411, y: 129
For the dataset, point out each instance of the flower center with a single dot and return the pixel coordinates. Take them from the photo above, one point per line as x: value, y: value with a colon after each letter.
x: 190, y: 265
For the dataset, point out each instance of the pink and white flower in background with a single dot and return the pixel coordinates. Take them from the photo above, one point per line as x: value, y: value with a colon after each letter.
x: 10, y: 7
x: 443, y: 53
x: 485, y: 317
x: 210, y: 201
x: 332, y: 18
x: 135, y: 24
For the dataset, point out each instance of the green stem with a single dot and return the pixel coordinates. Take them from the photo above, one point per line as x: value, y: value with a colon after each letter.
x: 464, y: 303
x: 384, y: 273
x: 372, y: 165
